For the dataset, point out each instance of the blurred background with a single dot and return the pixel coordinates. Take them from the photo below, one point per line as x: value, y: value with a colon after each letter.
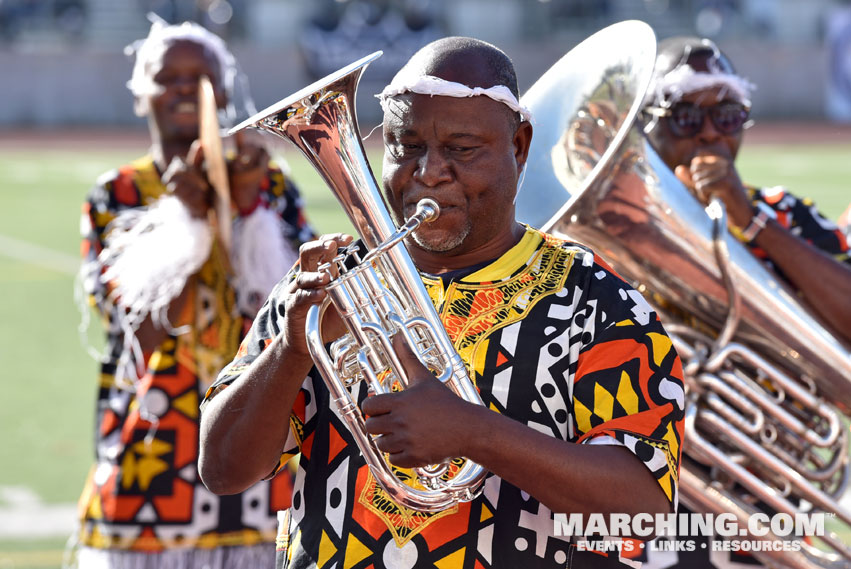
x: 62, y: 62
x: 66, y: 117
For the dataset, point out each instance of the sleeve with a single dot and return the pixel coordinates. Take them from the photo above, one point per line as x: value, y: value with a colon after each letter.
x: 284, y: 197
x: 99, y: 210
x: 628, y: 387
x: 263, y: 330
x: 801, y: 217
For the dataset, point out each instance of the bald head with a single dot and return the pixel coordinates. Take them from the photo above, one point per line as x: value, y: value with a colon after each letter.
x: 468, y: 64
x: 468, y: 61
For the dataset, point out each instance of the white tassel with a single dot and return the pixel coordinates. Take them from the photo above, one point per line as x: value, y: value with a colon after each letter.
x: 683, y: 80
x: 150, y: 253
x: 261, y: 257
x: 233, y: 557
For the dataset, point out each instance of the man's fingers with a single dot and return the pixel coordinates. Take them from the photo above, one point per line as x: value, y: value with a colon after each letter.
x: 308, y: 286
x: 251, y: 155
x: 403, y: 459
x: 392, y: 445
x: 195, y: 156
x: 378, y: 404
x: 709, y: 169
x: 314, y: 253
x: 710, y: 159
x: 376, y: 423
x: 246, y: 154
x: 310, y: 296
x: 703, y: 172
x: 706, y: 177
x: 312, y: 279
x: 683, y: 174
x: 341, y: 238
x: 414, y: 369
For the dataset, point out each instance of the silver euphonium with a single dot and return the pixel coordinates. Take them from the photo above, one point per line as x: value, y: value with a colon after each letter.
x: 379, y: 293
x: 767, y: 384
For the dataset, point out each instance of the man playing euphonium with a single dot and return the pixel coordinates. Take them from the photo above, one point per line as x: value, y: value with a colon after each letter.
x: 582, y: 389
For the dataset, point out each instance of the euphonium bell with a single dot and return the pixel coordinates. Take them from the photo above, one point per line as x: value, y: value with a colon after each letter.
x: 381, y: 296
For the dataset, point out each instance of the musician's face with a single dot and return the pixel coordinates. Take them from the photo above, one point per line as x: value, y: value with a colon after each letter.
x: 709, y: 140
x: 465, y: 154
x: 174, y: 109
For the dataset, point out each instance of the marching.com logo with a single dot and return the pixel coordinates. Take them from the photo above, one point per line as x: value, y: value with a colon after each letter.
x: 778, y: 532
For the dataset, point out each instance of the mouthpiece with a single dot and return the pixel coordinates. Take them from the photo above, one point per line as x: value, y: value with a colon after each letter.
x: 429, y: 208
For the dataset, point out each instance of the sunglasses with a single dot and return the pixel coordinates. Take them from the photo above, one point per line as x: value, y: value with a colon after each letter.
x: 686, y: 119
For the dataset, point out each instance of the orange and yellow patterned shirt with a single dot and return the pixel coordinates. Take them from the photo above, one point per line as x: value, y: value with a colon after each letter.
x: 144, y: 492
x: 552, y: 338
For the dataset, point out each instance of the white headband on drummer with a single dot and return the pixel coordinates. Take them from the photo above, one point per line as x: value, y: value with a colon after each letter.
x: 430, y: 85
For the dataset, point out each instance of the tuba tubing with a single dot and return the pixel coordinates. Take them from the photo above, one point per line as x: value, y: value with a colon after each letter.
x: 381, y: 296
x: 768, y: 386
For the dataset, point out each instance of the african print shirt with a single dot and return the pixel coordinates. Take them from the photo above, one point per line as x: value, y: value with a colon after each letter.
x: 552, y: 338
x: 144, y: 492
x: 801, y: 218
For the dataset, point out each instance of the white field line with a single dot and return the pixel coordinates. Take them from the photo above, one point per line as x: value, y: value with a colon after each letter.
x: 39, y: 256
x: 24, y: 516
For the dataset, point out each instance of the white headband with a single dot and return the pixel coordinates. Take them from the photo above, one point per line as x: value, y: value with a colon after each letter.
x: 430, y: 85
x: 683, y: 80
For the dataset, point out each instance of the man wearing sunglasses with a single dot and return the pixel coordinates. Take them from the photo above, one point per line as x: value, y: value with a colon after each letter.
x: 695, y: 114
x: 696, y: 111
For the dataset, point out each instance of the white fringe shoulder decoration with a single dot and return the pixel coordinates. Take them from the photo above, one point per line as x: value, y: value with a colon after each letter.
x: 260, y: 555
x: 261, y: 256
x: 150, y: 253
x: 670, y: 88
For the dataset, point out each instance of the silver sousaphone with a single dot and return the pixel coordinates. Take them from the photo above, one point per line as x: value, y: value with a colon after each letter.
x: 767, y: 383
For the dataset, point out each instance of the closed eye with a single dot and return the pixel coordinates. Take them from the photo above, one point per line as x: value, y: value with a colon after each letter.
x: 462, y: 152
x: 404, y: 149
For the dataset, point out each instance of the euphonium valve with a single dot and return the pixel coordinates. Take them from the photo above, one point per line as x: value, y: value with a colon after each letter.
x: 378, y: 292
x: 374, y: 315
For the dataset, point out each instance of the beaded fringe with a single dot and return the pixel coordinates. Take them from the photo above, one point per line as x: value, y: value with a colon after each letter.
x: 260, y: 556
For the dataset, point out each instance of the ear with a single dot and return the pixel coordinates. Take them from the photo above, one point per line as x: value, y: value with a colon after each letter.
x: 522, y: 142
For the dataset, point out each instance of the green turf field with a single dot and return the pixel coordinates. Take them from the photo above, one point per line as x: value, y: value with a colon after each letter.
x: 822, y: 173
x: 46, y: 411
